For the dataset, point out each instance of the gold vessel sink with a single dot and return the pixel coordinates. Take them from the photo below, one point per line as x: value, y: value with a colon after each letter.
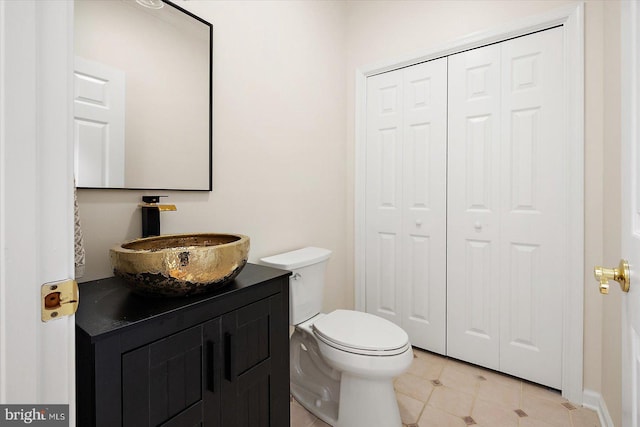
x: 180, y: 264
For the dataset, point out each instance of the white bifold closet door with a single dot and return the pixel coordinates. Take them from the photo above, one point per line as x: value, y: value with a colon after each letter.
x: 405, y: 207
x: 507, y: 192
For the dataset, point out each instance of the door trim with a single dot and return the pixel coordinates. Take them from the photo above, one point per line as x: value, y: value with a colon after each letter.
x: 630, y: 138
x: 37, y: 360
x: 571, y: 17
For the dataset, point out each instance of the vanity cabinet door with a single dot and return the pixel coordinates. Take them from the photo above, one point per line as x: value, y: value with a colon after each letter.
x: 220, y: 373
x: 214, y: 361
x: 250, y: 393
x: 171, y: 382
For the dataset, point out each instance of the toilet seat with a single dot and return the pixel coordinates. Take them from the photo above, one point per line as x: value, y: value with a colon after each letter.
x: 361, y: 333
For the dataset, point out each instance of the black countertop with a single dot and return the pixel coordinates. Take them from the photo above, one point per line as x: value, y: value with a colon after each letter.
x: 107, y: 305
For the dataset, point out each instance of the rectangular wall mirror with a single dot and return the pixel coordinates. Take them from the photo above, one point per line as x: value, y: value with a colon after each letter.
x: 143, y: 96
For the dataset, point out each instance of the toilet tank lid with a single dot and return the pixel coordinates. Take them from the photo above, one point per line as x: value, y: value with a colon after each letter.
x: 297, y: 259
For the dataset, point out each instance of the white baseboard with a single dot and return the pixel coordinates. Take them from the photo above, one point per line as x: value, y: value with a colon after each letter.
x: 593, y: 400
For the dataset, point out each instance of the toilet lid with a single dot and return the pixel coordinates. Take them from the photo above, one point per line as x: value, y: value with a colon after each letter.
x: 359, y: 331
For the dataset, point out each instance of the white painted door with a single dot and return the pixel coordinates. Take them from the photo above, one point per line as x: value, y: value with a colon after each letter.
x: 534, y: 211
x: 630, y: 232
x: 37, y: 360
x: 99, y: 119
x: 507, y: 207
x: 424, y: 207
x: 473, y: 206
x: 406, y: 201
x: 383, y: 271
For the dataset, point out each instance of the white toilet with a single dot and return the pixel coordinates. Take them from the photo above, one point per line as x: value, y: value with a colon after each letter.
x: 342, y: 363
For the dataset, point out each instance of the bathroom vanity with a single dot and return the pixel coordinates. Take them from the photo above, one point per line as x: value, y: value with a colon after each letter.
x: 221, y: 359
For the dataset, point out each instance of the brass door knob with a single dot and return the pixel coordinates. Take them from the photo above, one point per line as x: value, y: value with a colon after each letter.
x: 620, y: 275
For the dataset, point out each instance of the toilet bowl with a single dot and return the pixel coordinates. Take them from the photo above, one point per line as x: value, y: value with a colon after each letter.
x: 342, y: 363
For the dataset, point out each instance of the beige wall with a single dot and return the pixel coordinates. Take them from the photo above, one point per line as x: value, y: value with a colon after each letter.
x: 593, y: 194
x: 284, y: 137
x: 279, y: 141
x: 611, y: 321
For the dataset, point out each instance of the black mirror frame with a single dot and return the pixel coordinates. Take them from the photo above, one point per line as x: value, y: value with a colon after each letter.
x: 210, y: 184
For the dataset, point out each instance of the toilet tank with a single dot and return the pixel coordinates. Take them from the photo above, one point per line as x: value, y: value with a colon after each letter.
x: 306, y: 284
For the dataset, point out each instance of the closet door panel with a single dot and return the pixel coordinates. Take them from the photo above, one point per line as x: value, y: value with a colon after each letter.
x: 473, y: 249
x: 424, y: 204
x: 533, y: 212
x: 383, y: 209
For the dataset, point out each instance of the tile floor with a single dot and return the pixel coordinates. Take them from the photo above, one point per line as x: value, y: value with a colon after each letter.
x: 440, y: 392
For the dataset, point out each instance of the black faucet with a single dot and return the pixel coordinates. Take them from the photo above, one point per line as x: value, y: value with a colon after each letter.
x: 151, y: 214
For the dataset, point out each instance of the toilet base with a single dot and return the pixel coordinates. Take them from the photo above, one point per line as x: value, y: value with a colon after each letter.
x: 326, y: 410
x: 342, y: 397
x: 366, y: 402
x: 363, y: 403
x: 314, y: 384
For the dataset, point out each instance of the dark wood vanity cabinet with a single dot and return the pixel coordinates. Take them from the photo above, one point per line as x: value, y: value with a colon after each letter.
x: 215, y: 360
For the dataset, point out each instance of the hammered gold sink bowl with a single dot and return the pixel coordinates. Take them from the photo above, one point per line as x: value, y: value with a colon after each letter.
x: 180, y: 264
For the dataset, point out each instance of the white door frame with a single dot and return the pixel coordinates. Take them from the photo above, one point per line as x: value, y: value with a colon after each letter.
x: 571, y: 17
x: 630, y: 132
x: 37, y: 360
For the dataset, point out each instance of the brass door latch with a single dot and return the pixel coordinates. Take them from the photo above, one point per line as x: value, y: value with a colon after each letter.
x: 58, y: 299
x: 620, y: 275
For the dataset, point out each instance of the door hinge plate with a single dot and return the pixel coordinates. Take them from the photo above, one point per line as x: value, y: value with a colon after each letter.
x: 58, y: 299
